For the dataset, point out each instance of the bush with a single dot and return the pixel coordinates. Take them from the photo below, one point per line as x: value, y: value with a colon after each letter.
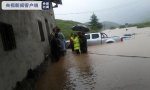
x: 112, y: 27
x: 122, y: 26
x: 132, y: 25
x: 141, y: 26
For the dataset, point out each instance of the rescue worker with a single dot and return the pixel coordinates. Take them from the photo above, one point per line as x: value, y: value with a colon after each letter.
x: 76, y: 44
x: 71, y: 42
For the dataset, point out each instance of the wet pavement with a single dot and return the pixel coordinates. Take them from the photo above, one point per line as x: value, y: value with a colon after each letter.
x: 116, y: 66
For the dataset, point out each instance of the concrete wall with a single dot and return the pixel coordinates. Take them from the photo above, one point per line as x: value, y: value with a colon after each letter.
x: 30, y: 50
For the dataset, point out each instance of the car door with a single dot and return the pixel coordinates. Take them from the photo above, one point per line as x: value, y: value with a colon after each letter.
x: 88, y: 39
x: 95, y: 39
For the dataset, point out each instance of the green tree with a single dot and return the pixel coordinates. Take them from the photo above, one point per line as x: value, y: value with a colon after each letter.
x: 99, y: 25
x: 94, y: 22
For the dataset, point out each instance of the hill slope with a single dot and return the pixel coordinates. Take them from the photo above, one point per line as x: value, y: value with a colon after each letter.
x: 109, y: 24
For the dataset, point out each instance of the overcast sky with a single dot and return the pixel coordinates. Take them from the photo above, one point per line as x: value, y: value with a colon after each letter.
x: 119, y: 11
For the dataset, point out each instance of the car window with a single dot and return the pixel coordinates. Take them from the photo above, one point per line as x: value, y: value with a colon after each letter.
x: 87, y: 36
x: 94, y: 36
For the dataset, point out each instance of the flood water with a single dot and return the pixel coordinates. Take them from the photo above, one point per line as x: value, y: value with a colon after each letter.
x: 116, y: 66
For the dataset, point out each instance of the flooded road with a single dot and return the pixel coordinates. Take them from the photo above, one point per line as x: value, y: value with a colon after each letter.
x: 117, y: 66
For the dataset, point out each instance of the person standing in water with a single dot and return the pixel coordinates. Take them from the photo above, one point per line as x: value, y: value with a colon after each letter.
x: 55, y: 48
x: 52, y: 35
x: 84, y: 43
x: 76, y: 43
x: 61, y: 38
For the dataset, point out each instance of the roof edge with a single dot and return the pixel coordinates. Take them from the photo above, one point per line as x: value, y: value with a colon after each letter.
x: 57, y: 1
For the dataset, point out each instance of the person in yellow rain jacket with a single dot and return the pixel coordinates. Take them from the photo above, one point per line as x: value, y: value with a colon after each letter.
x: 76, y: 43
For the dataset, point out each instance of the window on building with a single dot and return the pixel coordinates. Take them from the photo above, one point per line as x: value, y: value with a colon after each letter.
x: 7, y: 35
x: 87, y: 36
x: 41, y: 31
x: 48, y: 32
x: 94, y: 36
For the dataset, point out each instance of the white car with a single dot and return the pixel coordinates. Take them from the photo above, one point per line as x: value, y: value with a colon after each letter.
x: 100, y: 38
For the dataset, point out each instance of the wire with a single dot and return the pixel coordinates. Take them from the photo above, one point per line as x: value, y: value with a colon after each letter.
x: 140, y: 18
x: 106, y: 9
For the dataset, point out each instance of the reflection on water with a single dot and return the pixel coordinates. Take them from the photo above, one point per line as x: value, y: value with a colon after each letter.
x: 81, y: 76
x: 104, y: 69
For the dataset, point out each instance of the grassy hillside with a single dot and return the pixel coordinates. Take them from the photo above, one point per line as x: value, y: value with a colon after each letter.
x: 65, y: 26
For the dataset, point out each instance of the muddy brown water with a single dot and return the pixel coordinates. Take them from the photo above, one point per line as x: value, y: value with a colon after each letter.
x: 117, y: 66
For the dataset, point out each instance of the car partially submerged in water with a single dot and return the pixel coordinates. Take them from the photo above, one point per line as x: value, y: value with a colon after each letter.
x: 99, y: 38
x: 127, y: 36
